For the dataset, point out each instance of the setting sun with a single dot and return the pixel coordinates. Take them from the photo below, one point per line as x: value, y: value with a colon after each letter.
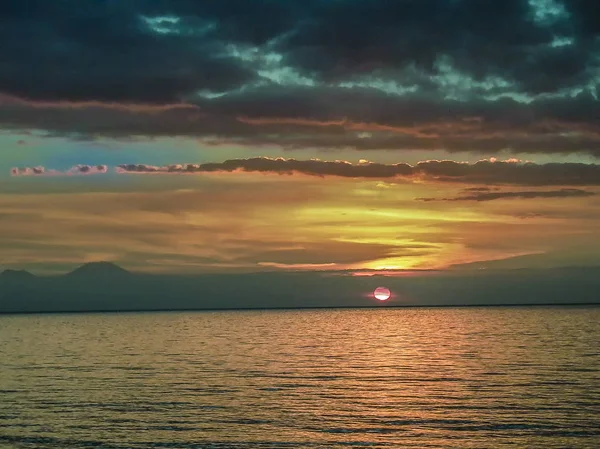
x: 382, y: 293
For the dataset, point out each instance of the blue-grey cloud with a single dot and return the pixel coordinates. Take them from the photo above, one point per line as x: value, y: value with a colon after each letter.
x: 42, y: 171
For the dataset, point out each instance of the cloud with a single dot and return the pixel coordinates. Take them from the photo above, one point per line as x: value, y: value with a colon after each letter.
x: 107, y: 51
x: 486, y: 172
x: 218, y: 223
x: 332, y: 117
x: 222, y: 227
x: 482, y: 172
x: 490, y: 196
x: 467, y: 75
x: 312, y: 167
x: 513, y: 41
x: 335, y: 253
x: 478, y: 189
x: 42, y: 171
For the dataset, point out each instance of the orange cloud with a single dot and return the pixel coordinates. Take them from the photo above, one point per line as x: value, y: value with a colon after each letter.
x: 250, y: 222
x: 426, y: 131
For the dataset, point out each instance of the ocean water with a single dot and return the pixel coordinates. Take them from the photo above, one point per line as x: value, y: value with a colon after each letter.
x: 523, y: 377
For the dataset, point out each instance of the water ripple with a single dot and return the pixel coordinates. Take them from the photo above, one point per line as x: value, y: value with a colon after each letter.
x: 410, y: 378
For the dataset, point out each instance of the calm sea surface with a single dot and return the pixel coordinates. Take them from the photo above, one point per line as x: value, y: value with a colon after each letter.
x: 393, y: 378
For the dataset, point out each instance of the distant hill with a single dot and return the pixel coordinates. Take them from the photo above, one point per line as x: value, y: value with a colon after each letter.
x: 107, y: 287
x: 16, y: 274
x: 98, y: 269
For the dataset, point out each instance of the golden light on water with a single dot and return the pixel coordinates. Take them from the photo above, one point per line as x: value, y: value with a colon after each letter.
x: 382, y: 293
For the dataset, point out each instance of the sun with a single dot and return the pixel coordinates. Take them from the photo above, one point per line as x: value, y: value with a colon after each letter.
x: 382, y: 293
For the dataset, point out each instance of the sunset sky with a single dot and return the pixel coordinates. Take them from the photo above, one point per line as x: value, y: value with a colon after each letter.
x: 187, y: 136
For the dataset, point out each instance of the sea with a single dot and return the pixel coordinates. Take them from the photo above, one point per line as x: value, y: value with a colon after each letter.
x: 473, y: 377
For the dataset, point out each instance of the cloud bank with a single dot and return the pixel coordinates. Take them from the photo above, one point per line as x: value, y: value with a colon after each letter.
x: 488, y: 172
x: 465, y: 75
x: 482, y: 172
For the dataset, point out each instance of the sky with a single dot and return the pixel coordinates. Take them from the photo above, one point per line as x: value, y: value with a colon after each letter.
x: 183, y: 136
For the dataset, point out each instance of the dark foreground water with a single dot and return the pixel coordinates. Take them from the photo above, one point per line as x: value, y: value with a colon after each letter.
x: 423, y: 378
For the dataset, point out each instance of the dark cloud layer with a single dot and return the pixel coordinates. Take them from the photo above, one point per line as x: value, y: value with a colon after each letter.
x: 482, y: 172
x: 477, y: 75
x: 485, y: 172
x: 490, y: 196
x: 314, y: 117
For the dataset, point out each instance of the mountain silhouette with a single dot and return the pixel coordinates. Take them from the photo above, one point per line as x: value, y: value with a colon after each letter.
x: 104, y: 286
x: 16, y: 274
x: 98, y: 269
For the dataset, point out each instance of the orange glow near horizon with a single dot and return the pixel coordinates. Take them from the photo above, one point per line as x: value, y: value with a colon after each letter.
x: 249, y: 221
